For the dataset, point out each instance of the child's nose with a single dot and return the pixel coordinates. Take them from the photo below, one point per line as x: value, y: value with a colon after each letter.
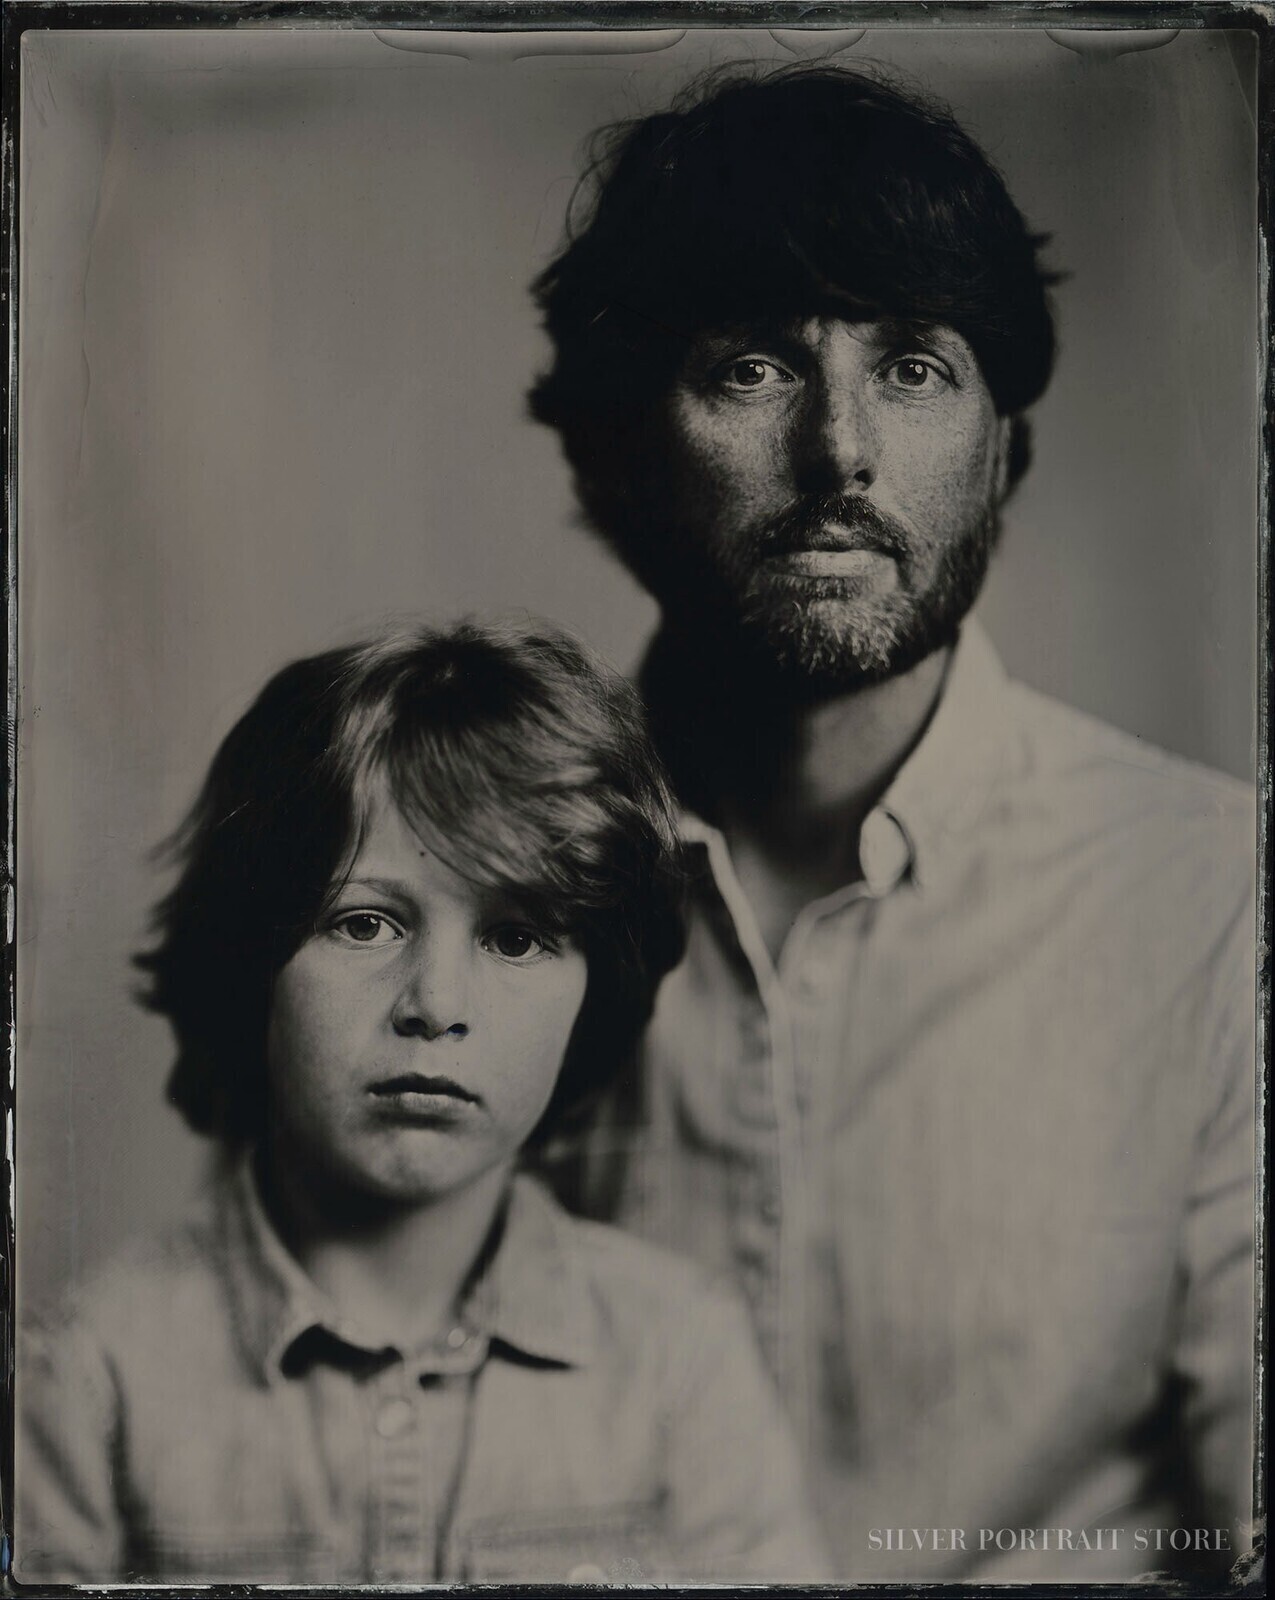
x: 433, y: 999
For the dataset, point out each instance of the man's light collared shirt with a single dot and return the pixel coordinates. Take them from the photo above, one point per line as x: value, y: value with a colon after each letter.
x: 978, y: 1148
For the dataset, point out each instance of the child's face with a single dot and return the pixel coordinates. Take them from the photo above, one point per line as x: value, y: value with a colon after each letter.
x: 416, y: 1036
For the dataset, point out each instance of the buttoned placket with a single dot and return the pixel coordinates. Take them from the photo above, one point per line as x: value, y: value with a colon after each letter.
x: 420, y: 1415
x: 770, y: 1224
x: 771, y: 1220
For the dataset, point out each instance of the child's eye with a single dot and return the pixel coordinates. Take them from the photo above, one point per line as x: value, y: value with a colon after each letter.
x: 366, y: 927
x: 515, y: 941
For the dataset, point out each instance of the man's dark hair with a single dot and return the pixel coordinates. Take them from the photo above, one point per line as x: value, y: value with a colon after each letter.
x: 807, y: 191
x: 517, y: 757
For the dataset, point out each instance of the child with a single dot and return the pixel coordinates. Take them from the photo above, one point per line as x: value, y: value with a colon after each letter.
x: 425, y: 901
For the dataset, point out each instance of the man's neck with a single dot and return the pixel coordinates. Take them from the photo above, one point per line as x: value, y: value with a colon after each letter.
x: 788, y: 779
x: 398, y: 1271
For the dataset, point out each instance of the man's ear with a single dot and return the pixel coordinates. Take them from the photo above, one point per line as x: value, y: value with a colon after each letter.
x: 1014, y: 455
x: 1004, y: 445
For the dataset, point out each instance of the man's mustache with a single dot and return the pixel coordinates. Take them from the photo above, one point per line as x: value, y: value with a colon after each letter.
x: 832, y: 522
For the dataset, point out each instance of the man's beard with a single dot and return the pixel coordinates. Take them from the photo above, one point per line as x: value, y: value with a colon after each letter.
x: 833, y: 634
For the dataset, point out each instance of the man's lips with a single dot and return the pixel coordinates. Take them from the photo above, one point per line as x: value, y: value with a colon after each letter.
x: 844, y: 562
x: 832, y: 536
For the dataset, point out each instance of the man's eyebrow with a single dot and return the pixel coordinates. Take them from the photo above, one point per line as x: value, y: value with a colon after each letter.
x: 767, y: 331
x: 902, y: 330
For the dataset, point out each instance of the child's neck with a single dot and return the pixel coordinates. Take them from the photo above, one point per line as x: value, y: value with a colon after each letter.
x: 398, y: 1271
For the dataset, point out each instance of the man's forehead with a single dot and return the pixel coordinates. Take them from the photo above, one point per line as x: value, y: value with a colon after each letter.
x: 811, y: 325
x: 809, y: 329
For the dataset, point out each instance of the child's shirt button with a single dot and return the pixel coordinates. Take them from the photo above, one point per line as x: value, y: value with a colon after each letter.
x: 457, y: 1338
x: 394, y: 1417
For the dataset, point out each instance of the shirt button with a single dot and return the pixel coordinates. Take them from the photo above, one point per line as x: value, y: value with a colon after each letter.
x: 457, y: 1338
x: 586, y: 1572
x: 395, y: 1416
x: 883, y: 851
x: 814, y: 977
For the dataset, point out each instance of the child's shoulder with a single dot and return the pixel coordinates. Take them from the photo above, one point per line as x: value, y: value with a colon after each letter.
x: 624, y: 1264
x: 150, y: 1290
x: 637, y: 1283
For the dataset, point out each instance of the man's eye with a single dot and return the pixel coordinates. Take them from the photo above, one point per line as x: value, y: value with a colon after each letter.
x: 751, y: 372
x: 366, y: 927
x: 913, y: 373
x: 514, y: 941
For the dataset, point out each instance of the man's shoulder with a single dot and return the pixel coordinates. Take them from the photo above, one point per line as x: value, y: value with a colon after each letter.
x: 1076, y: 739
x: 1100, y: 780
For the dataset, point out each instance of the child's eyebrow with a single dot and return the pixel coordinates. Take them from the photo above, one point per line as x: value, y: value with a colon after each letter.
x: 377, y: 885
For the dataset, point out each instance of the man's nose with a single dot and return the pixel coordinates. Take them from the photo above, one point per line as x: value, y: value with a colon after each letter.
x: 837, y: 447
x: 433, y: 998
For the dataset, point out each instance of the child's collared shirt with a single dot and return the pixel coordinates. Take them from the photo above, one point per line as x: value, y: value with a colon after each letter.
x: 598, y: 1414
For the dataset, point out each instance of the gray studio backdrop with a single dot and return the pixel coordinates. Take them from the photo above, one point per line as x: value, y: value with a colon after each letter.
x: 274, y: 342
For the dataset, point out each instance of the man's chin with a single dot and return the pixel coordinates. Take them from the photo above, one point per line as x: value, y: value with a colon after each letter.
x: 837, y: 646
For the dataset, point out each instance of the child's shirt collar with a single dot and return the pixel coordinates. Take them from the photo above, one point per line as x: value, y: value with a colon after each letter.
x: 533, y: 1297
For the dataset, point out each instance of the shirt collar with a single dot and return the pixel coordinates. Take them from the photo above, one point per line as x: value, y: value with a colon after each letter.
x: 541, y: 1300
x: 940, y: 789
x: 943, y: 785
x: 534, y: 1295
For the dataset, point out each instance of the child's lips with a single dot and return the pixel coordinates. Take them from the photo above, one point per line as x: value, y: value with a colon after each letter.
x: 417, y: 1094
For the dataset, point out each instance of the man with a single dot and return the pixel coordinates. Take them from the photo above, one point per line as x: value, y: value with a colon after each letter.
x: 956, y: 1079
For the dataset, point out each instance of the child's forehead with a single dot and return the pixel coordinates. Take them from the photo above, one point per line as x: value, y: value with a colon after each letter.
x: 391, y: 842
x: 397, y: 846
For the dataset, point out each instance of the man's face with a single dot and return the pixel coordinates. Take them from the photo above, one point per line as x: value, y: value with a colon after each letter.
x: 835, y: 485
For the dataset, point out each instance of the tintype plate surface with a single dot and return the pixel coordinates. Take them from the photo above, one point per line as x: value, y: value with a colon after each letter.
x: 273, y: 341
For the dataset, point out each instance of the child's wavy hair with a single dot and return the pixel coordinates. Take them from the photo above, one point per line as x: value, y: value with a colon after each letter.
x: 517, y: 757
